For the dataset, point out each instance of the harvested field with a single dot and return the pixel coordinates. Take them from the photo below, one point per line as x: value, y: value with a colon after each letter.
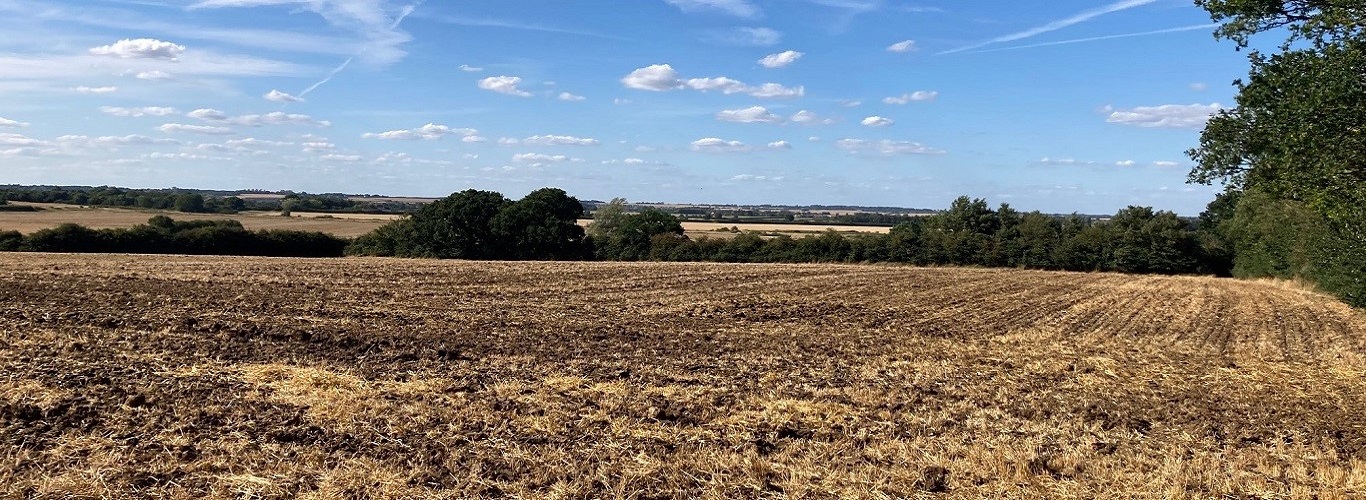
x: 137, y: 376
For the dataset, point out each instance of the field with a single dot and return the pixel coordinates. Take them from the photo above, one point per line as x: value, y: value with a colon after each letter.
x: 239, y: 377
x: 344, y: 225
x: 110, y: 218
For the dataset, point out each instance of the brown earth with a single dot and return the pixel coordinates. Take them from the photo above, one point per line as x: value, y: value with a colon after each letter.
x: 142, y: 376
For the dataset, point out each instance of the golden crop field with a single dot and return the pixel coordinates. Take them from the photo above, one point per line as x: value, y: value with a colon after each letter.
x: 164, y: 376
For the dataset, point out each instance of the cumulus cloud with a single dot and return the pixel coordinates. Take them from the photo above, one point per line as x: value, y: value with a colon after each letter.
x: 254, y: 142
x: 470, y: 69
x: 779, y: 145
x: 903, y: 47
x: 663, y: 77
x: 504, y: 85
x: 885, y: 147
x: 141, y: 48
x: 8, y: 123
x: 752, y: 177
x: 539, y: 158
x: 341, y: 158
x: 318, y: 147
x: 153, y: 75
x: 1164, y: 116
x: 277, y: 96
x: 738, y: 8
x: 195, y: 129
x: 9, y: 139
x: 559, y: 140
x: 715, y: 145
x: 781, y: 59
x: 753, y: 114
x: 430, y: 131
x: 805, y: 117
x: 95, y: 90
x: 276, y: 118
x: 656, y: 78
x: 566, y: 96
x: 746, y: 37
x: 877, y: 121
x: 917, y: 96
x: 138, y: 112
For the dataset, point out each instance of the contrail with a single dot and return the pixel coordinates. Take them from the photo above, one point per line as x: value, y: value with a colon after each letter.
x: 1057, y: 25
x: 1098, y: 38
x: 333, y: 74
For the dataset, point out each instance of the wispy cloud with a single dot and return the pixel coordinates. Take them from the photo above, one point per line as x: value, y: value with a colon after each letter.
x: 1100, y: 38
x: 514, y: 25
x: 1057, y: 25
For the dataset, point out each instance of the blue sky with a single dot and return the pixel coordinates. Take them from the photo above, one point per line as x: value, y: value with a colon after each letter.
x: 1057, y: 106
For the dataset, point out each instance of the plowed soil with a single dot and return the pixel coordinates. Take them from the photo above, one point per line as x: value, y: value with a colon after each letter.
x: 140, y: 376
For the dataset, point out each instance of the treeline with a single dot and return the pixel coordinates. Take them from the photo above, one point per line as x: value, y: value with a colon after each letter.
x: 969, y: 233
x: 197, y: 202
x: 486, y: 225
x: 163, y: 235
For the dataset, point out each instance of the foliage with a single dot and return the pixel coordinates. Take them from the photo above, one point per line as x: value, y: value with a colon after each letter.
x: 484, y: 225
x: 1294, y: 145
x: 162, y: 235
x: 621, y: 236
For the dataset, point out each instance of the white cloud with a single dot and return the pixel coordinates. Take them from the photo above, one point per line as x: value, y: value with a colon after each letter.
x: 1164, y: 116
x: 917, y: 96
x: 558, y: 140
x: 538, y: 158
x: 470, y: 69
x: 663, y: 77
x: 715, y: 145
x: 813, y: 139
x: 566, y: 96
x: 1199, y: 86
x: 877, y: 121
x: 430, y: 131
x: 781, y: 59
x: 738, y: 8
x: 8, y: 123
x: 153, y: 75
x: 1165, y: 164
x: 341, y: 158
x: 752, y: 177
x: 474, y: 138
x: 656, y: 78
x: 746, y: 37
x: 95, y: 90
x: 504, y: 85
x: 805, y: 117
x: 208, y: 114
x: 195, y: 129
x: 20, y: 140
x: 137, y: 112
x: 633, y: 161
x: 779, y: 145
x: 277, y: 96
x: 903, y: 47
x: 318, y: 147
x: 141, y: 48
x: 1125, y: 163
x: 852, y: 104
x: 885, y: 147
x: 251, y: 141
x: 754, y: 114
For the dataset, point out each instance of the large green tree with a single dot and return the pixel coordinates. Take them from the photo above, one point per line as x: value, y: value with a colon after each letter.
x: 1297, y: 138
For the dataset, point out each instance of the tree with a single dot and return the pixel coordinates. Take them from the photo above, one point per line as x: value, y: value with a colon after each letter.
x: 544, y: 225
x: 629, y: 236
x: 1296, y: 138
x: 189, y: 202
x: 459, y: 226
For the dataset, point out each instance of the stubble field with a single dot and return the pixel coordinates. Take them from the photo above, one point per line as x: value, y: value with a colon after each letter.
x: 137, y: 376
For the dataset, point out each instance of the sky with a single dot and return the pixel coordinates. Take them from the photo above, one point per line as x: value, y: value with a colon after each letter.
x: 1061, y: 106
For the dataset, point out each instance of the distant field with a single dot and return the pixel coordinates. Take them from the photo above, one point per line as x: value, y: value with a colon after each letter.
x: 181, y: 377
x: 344, y: 225
x: 107, y: 218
